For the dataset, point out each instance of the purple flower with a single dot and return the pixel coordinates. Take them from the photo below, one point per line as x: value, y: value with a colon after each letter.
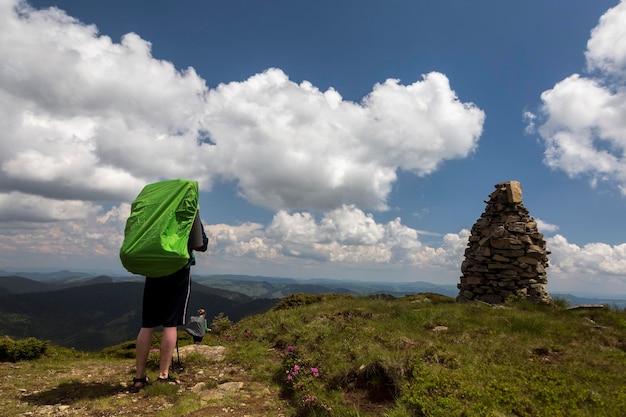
x: 290, y: 348
x: 315, y: 372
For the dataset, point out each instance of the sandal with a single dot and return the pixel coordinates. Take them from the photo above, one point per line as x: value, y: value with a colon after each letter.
x: 140, y: 383
x: 168, y: 380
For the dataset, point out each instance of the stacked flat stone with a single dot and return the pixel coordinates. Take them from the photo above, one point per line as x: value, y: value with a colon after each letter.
x: 506, y: 255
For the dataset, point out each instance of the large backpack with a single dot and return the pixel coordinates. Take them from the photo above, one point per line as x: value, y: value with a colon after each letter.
x: 196, y: 326
x: 157, y: 231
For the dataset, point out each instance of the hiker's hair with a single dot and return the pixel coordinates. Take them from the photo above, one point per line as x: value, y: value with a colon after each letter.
x: 201, y: 311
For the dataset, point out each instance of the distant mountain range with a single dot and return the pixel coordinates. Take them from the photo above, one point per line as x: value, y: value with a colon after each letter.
x: 94, y: 313
x: 75, y: 309
x: 273, y: 287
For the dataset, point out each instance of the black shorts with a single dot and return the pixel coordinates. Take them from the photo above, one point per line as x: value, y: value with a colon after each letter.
x: 165, y: 300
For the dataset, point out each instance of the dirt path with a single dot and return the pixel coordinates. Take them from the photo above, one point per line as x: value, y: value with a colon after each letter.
x: 100, y: 387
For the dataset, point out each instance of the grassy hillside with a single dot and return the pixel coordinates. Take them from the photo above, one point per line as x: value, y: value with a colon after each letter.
x: 341, y: 355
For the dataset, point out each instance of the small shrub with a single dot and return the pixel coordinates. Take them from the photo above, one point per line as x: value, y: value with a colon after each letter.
x: 220, y: 324
x: 560, y: 302
x: 437, y: 298
x: 21, y: 350
x: 381, y: 296
x: 297, y: 300
x: 124, y: 350
x: 154, y: 359
x: 302, y: 384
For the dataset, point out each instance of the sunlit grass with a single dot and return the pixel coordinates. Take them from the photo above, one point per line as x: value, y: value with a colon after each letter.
x: 432, y: 358
x: 346, y: 356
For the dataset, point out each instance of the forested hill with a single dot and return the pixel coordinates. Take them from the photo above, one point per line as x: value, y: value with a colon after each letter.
x: 90, y: 317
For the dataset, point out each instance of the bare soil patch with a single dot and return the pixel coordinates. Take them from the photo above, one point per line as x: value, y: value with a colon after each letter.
x: 101, y: 387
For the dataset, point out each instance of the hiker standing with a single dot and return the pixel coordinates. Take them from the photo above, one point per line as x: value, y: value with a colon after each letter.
x: 198, y: 326
x: 164, y: 304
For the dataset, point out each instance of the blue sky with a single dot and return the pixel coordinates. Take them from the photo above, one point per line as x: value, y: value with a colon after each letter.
x: 336, y: 139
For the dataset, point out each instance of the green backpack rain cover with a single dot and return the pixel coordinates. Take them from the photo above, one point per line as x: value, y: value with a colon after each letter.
x: 157, y: 231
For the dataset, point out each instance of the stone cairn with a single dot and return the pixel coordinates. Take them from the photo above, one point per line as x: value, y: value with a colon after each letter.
x: 506, y: 256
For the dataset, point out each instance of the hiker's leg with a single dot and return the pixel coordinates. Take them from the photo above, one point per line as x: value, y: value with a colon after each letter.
x: 168, y: 343
x: 142, y: 348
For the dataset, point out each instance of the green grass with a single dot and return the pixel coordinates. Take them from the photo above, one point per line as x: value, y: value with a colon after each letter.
x: 426, y: 356
x: 337, y: 355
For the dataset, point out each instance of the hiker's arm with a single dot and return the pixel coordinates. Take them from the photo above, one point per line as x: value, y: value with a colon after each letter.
x: 205, y: 240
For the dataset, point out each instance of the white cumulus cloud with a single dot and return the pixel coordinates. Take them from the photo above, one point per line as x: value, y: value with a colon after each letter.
x: 96, y: 236
x: 570, y: 261
x: 584, y: 117
x: 102, y: 118
x: 88, y: 120
x: 545, y: 227
x: 345, y: 235
x: 291, y: 145
x: 606, y: 49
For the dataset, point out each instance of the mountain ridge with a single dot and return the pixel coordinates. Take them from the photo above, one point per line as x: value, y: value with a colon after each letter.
x: 93, y: 316
x: 92, y: 312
